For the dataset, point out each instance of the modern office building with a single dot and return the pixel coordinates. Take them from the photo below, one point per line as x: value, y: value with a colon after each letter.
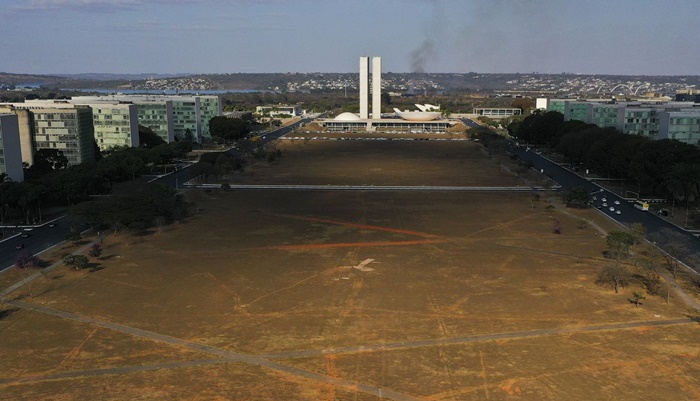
x: 115, y: 124
x: 497, y: 112
x: 376, y: 88
x: 10, y: 150
x: 63, y: 126
x: 69, y: 130
x: 364, y: 87
x: 279, y: 110
x: 170, y: 116
x: 25, y: 121
x: 158, y: 116
x: 651, y: 119
x: 681, y: 125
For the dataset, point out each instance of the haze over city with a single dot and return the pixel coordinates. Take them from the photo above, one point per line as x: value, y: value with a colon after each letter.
x: 641, y: 37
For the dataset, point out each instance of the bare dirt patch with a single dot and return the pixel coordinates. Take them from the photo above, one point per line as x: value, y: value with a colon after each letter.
x: 468, y: 296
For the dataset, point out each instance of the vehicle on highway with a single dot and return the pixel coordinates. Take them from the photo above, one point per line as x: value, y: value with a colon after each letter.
x: 618, y: 211
x: 604, y: 199
x: 617, y: 202
x: 25, y: 235
x: 641, y: 205
x: 612, y: 209
x: 605, y: 204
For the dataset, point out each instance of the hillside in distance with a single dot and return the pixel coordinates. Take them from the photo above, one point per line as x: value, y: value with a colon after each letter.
x: 416, y: 83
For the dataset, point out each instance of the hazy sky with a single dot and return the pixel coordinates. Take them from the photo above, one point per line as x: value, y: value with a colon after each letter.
x: 651, y: 37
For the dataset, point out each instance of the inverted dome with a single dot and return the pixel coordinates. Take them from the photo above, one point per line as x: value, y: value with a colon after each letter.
x: 418, y: 115
x: 347, y: 116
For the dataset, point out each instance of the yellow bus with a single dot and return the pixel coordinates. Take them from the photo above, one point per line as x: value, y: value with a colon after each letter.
x: 641, y: 205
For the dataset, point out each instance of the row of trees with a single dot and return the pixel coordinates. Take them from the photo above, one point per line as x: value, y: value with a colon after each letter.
x: 666, y: 167
x: 228, y: 130
x: 135, y: 207
x: 50, y: 181
x: 631, y: 260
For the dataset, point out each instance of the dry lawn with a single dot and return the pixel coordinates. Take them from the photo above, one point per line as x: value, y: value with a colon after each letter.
x: 470, y: 297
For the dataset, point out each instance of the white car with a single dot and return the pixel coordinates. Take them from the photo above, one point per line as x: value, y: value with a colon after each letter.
x: 605, y: 204
x: 618, y: 211
x: 604, y: 200
x: 617, y: 202
x: 612, y: 209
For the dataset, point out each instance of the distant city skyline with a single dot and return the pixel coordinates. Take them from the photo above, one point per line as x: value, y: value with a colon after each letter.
x: 625, y: 37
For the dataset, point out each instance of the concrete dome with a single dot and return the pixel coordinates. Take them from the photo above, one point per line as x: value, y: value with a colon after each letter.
x: 347, y: 116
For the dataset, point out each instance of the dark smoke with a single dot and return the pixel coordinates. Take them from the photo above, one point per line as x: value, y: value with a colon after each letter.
x: 433, y: 32
x: 421, y: 55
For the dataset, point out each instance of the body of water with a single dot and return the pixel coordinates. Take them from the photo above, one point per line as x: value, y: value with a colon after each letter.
x: 162, y: 92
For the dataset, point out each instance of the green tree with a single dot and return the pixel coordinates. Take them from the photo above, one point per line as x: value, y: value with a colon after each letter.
x: 203, y: 169
x: 616, y: 275
x: 46, y: 160
x: 577, y: 198
x: 227, y: 130
x: 77, y: 262
x: 619, y: 243
x: 148, y: 138
x: 637, y: 299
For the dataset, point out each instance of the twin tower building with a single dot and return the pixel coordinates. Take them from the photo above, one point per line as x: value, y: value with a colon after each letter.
x: 376, y: 88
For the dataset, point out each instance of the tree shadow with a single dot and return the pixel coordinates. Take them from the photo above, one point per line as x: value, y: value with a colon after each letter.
x: 93, y: 267
x: 108, y: 257
x: 694, y: 315
x: 7, y: 312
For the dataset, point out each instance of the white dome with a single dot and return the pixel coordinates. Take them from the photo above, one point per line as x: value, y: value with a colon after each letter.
x: 347, y: 116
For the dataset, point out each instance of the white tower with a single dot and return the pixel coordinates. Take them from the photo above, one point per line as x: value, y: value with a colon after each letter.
x: 376, y: 88
x: 364, y: 87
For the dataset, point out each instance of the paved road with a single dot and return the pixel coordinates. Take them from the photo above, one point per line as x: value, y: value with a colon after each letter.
x: 40, y: 238
x: 470, y: 123
x: 630, y: 215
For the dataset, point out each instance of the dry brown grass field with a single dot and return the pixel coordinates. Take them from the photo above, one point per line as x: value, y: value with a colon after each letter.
x: 352, y: 295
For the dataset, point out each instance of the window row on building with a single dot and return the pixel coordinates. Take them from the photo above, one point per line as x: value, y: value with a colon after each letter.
x: 75, y: 125
x: 654, y: 120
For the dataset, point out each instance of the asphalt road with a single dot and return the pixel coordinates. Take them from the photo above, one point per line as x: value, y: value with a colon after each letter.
x: 40, y: 239
x: 629, y: 214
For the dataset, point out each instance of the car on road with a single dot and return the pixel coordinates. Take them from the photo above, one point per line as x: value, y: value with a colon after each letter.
x: 605, y: 204
x: 52, y: 224
x: 25, y: 235
x: 617, y: 202
x: 612, y: 209
x: 604, y: 199
x: 618, y: 211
